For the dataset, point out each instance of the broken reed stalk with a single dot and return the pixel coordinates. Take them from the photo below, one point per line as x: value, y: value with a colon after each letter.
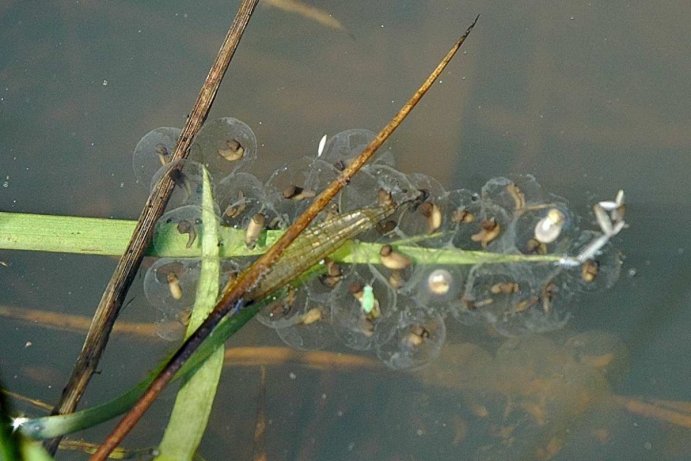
x: 232, y: 297
x: 114, y: 294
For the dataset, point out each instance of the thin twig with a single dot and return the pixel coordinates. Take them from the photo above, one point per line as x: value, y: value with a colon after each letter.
x: 127, y: 267
x: 232, y: 298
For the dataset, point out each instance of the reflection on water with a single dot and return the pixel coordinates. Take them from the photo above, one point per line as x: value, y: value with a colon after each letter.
x: 529, y: 398
x: 531, y: 391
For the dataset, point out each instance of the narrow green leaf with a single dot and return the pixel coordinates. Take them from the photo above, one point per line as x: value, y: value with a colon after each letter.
x: 194, y: 400
x: 71, y: 234
x: 48, y: 427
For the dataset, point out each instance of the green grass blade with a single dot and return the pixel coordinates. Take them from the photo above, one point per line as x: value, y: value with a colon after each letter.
x: 47, y: 427
x: 194, y: 400
x: 64, y: 234
x: 69, y: 234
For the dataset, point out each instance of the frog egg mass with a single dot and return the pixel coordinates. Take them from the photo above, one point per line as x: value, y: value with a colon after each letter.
x: 395, y: 302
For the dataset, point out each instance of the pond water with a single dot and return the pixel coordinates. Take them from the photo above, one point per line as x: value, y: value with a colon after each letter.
x: 590, y: 98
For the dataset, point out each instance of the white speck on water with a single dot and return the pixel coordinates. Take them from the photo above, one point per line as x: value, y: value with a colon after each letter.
x: 105, y: 82
x: 322, y: 144
x: 28, y: 344
x: 292, y: 375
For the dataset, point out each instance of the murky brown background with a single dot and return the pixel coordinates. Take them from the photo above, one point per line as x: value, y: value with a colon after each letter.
x: 589, y: 97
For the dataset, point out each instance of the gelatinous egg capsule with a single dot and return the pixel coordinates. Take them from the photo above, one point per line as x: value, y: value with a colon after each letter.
x: 293, y: 192
x: 462, y: 216
x: 280, y: 311
x: 344, y: 146
x: 394, y: 182
x: 524, y: 304
x: 360, y: 192
x: 589, y: 270
x: 600, y: 262
x: 164, y: 155
x: 392, y: 259
x: 414, y: 338
x: 432, y: 212
x: 152, y: 151
x: 254, y: 229
x: 171, y: 273
x: 512, y: 195
x: 397, y: 279
x: 232, y: 150
x: 240, y: 196
x: 504, y: 288
x: 315, y: 314
x: 188, y: 227
x: 417, y: 335
x: 386, y: 227
x: 283, y: 306
x: 547, y: 294
x: 187, y: 176
x: 517, y: 195
x: 489, y: 230
x: 289, y: 308
x: 490, y: 292
x: 543, y: 228
x: 182, y: 221
x: 385, y: 198
x: 224, y: 145
x: 237, y: 207
x: 333, y: 275
x: 349, y: 302
x: 291, y: 185
x: 548, y: 229
x: 535, y: 247
x: 436, y: 288
x: 170, y: 284
x: 312, y: 331
x: 439, y: 282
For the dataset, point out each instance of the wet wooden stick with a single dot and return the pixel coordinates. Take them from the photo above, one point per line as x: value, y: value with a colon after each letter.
x: 232, y: 298
x: 114, y: 294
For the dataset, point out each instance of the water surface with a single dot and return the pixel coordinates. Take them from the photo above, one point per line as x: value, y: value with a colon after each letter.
x: 588, y: 97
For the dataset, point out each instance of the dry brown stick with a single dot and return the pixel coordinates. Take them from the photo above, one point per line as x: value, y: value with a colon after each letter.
x: 232, y: 298
x: 124, y: 273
